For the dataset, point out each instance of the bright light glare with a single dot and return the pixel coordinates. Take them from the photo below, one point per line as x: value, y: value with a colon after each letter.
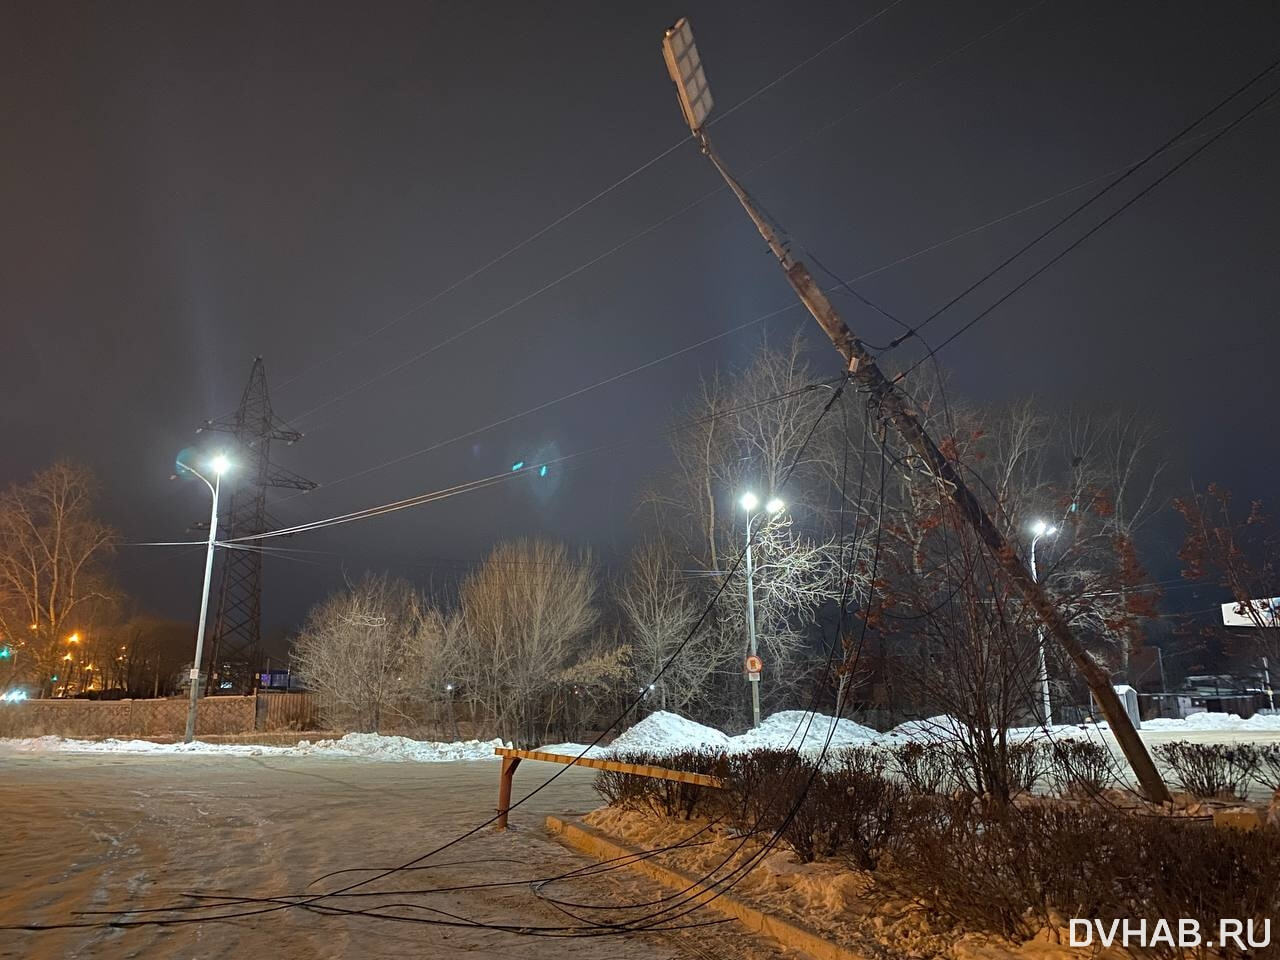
x: 14, y: 696
x: 774, y: 505
x: 220, y: 464
x: 1039, y: 528
x: 749, y: 501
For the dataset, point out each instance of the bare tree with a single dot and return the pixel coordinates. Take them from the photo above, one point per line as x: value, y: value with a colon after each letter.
x: 660, y: 608
x: 752, y: 429
x: 370, y: 650
x: 526, y: 613
x: 52, y: 550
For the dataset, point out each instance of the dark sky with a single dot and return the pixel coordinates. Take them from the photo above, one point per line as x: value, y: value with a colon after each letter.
x: 185, y: 186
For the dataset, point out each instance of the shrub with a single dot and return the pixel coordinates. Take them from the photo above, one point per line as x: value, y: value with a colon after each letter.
x: 1187, y: 868
x: 1003, y: 871
x: 1024, y: 765
x: 924, y: 767
x: 780, y: 791
x: 1211, y: 770
x: 1014, y: 870
x: 880, y: 816
x: 1268, y: 772
x: 668, y: 798
x: 1081, y: 767
x: 857, y: 761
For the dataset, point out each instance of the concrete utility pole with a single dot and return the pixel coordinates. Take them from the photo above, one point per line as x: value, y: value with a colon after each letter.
x: 685, y: 68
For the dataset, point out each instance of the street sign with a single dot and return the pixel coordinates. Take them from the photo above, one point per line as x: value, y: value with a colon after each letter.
x: 754, y: 666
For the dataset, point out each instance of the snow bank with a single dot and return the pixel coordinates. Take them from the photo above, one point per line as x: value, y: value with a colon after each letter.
x: 375, y: 746
x: 1216, y: 721
x: 575, y: 749
x: 52, y: 744
x: 803, y: 731
x: 370, y: 746
x: 664, y: 732
x: 936, y: 729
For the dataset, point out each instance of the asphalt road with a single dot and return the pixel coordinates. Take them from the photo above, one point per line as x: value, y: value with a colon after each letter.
x: 110, y: 832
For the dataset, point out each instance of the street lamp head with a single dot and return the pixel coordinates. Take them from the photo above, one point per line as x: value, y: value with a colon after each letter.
x: 685, y: 69
x: 749, y: 501
x: 774, y: 505
x: 220, y: 464
x: 1042, y: 529
x: 74, y: 638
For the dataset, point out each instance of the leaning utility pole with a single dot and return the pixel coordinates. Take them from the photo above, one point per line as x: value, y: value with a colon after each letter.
x: 685, y: 67
x: 237, y: 629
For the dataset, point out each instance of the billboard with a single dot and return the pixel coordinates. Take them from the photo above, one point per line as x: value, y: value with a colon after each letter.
x: 1265, y: 613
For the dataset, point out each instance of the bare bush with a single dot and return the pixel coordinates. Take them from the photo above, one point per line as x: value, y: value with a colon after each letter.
x: 926, y: 768
x: 667, y: 798
x: 1211, y: 770
x: 1268, y: 772
x: 1081, y: 768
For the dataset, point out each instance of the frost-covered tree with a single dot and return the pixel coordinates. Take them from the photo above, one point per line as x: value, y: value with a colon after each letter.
x: 372, y: 650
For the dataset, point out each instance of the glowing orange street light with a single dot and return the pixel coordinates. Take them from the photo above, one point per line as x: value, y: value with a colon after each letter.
x: 67, y: 657
x: 74, y: 638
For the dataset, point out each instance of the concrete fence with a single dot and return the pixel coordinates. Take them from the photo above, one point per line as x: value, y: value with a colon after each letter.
x: 218, y: 716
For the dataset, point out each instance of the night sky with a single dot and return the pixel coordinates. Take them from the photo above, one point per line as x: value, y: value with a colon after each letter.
x: 186, y: 186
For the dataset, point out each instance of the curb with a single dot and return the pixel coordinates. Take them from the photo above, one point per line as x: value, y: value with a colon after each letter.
x: 787, y: 932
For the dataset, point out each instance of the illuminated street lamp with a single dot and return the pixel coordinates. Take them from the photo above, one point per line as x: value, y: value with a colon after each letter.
x: 749, y: 502
x: 219, y: 465
x: 1042, y: 529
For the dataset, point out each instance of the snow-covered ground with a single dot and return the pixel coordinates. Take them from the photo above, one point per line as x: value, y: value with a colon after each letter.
x: 371, y: 746
x: 663, y: 732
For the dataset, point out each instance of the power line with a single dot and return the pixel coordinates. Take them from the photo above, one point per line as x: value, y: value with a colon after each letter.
x: 1121, y: 209
x: 493, y: 479
x: 543, y: 231
x: 1070, y: 215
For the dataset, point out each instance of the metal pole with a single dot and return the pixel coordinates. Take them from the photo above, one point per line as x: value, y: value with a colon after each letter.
x: 204, y: 610
x: 751, y: 630
x: 1266, y: 680
x: 1164, y: 684
x: 1044, y: 667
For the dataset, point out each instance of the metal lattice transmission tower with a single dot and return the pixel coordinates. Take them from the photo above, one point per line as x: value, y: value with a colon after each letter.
x: 237, y: 629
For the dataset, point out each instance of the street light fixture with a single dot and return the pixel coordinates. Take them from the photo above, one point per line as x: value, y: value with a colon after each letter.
x: 1042, y: 529
x: 749, y: 502
x: 218, y: 465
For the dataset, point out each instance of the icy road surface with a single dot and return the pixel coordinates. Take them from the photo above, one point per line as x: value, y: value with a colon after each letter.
x: 101, y: 831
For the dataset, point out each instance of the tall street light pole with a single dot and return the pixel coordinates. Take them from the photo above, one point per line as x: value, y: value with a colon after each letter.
x: 749, y: 502
x: 219, y: 465
x: 1041, y: 529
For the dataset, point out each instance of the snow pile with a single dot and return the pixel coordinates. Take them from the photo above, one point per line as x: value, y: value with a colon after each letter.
x: 664, y: 732
x: 941, y: 729
x: 803, y: 731
x: 374, y: 746
x: 53, y: 744
x: 369, y: 746
x: 599, y: 751
x: 1262, y: 723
